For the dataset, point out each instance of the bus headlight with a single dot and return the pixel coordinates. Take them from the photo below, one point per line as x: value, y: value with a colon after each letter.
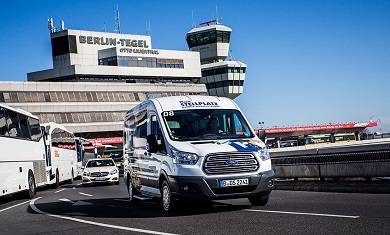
x: 184, y: 158
x: 114, y: 171
x: 263, y: 154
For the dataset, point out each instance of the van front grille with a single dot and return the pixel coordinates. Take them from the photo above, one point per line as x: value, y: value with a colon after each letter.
x: 230, y: 163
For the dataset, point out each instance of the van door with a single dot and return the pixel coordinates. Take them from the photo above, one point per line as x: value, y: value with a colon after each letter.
x: 156, y: 159
x: 140, y: 166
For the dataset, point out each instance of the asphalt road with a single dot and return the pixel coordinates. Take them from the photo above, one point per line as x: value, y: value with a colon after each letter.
x: 73, y: 209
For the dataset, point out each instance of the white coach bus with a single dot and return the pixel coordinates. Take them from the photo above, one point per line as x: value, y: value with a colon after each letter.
x: 62, y: 158
x: 22, y: 158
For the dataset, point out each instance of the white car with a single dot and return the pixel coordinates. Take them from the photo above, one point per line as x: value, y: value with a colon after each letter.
x: 100, y: 170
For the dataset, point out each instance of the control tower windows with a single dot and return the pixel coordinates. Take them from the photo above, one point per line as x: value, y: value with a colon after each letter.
x: 225, y: 83
x: 223, y: 70
x: 204, y: 38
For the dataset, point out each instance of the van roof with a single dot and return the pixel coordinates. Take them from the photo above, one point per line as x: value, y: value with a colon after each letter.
x: 194, y: 102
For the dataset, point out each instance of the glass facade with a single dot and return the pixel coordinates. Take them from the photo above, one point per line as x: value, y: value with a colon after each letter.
x: 204, y: 38
x: 81, y: 117
x: 146, y: 62
x: 36, y: 97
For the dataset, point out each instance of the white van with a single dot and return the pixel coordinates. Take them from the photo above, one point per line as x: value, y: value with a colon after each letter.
x: 194, y: 147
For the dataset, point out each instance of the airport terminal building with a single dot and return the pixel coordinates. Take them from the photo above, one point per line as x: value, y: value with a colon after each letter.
x: 98, y: 76
x: 112, y: 57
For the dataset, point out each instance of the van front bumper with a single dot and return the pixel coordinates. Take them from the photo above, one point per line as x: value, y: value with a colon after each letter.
x: 196, y: 187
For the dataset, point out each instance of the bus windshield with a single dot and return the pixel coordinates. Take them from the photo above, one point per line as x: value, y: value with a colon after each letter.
x: 205, y: 124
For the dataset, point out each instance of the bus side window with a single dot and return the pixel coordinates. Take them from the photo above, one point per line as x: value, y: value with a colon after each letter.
x: 3, y: 123
x: 12, y: 124
x: 34, y: 129
x: 23, y: 123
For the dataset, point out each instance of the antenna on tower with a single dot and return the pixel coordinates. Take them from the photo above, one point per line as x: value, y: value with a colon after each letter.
x: 62, y: 25
x: 193, y: 22
x: 216, y: 14
x: 148, y: 27
x: 117, y: 20
x: 50, y: 25
x: 230, y: 55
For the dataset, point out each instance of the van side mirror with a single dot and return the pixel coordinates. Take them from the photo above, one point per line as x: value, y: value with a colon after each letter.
x: 261, y: 134
x: 153, y: 144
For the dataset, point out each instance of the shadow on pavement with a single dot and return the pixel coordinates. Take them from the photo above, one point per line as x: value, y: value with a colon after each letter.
x: 122, y: 208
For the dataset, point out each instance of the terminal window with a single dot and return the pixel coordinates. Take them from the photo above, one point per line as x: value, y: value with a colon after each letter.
x: 146, y: 62
x: 63, y: 45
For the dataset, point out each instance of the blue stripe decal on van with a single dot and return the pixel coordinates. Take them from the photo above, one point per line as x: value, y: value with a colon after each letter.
x: 244, y: 146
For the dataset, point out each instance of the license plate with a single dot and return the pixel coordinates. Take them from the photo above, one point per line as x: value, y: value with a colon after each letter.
x: 100, y: 178
x: 235, y: 182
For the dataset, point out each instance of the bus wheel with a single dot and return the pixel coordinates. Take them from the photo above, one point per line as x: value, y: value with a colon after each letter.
x: 31, y: 185
x: 130, y: 189
x: 71, y: 177
x: 57, y: 183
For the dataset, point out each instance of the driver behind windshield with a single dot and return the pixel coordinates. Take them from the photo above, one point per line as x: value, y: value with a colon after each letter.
x: 212, y: 126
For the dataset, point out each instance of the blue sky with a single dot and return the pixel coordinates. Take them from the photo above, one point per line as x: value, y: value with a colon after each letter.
x: 308, y: 61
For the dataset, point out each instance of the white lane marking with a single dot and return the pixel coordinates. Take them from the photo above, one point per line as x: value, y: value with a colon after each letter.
x: 14, y: 206
x: 121, y: 200
x: 59, y: 190
x: 303, y: 213
x: 86, y: 194
x: 65, y: 200
x: 33, y: 207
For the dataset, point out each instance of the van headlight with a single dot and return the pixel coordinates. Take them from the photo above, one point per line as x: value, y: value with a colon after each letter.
x: 114, y: 171
x: 263, y: 154
x: 184, y: 158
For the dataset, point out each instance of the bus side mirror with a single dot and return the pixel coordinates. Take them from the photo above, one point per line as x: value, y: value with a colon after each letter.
x: 153, y: 144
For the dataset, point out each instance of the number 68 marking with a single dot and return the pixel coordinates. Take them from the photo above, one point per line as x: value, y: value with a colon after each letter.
x: 168, y: 113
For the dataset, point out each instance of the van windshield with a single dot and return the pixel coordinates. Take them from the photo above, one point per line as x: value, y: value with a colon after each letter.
x: 206, y: 124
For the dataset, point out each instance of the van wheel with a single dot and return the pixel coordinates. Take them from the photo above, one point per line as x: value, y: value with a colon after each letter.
x: 31, y: 185
x: 259, y: 199
x: 167, y: 200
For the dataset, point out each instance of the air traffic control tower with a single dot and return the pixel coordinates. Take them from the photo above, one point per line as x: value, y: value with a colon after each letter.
x: 222, y: 76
